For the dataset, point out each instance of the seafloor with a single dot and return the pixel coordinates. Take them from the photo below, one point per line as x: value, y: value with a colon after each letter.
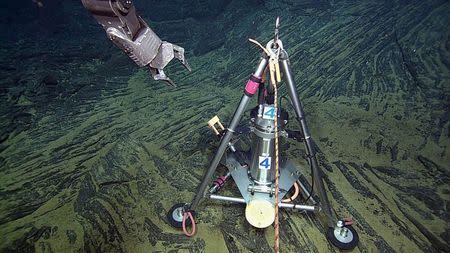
x: 93, y: 152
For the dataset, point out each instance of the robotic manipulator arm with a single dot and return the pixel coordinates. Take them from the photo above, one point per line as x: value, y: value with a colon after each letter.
x: 130, y: 33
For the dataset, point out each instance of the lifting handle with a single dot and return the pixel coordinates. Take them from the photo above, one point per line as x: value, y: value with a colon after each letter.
x: 213, y: 123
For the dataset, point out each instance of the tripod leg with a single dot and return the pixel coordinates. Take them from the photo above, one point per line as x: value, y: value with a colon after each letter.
x: 250, y: 90
x: 317, y: 172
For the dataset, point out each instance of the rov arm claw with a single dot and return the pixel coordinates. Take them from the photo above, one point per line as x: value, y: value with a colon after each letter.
x: 130, y: 33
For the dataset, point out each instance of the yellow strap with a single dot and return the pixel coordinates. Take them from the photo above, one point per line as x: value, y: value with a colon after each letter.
x: 272, y: 69
x: 277, y: 71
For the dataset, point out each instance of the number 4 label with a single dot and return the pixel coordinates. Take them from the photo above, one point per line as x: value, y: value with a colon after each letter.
x: 265, y: 162
x: 269, y: 112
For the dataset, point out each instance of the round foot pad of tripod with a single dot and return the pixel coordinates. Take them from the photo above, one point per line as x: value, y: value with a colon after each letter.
x: 344, y: 238
x: 260, y: 213
x: 175, y: 216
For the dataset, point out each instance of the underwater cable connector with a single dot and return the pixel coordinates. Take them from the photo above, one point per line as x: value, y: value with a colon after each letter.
x: 219, y: 182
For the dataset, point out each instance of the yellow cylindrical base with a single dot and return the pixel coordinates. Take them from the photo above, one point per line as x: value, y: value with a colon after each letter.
x: 260, y: 213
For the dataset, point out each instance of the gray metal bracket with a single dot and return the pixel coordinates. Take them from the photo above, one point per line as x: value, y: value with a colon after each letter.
x: 288, y: 175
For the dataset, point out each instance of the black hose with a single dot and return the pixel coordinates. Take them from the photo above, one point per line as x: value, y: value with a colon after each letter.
x: 310, y: 164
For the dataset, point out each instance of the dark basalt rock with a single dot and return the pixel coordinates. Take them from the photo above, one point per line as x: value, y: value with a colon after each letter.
x: 379, y: 146
x: 430, y: 197
x: 394, y: 152
x: 436, y: 244
x: 71, y: 236
x: 50, y: 81
x: 354, y: 182
x: 391, y: 171
x: 26, y: 243
x: 442, y: 175
x: 446, y: 235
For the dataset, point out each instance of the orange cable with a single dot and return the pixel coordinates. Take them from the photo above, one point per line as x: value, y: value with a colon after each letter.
x: 293, y: 197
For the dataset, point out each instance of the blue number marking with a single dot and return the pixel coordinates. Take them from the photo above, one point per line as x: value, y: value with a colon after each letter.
x: 265, y: 163
x: 270, y: 112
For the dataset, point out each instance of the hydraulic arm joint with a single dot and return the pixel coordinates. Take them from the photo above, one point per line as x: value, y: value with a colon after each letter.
x: 129, y: 32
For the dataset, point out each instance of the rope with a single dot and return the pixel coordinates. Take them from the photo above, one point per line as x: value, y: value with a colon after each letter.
x: 275, y: 77
x: 277, y: 186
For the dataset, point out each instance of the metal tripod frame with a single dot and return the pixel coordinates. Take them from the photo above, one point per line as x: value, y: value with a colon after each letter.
x: 324, y: 205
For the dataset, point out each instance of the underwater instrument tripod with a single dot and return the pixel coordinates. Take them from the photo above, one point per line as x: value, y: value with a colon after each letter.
x: 263, y: 178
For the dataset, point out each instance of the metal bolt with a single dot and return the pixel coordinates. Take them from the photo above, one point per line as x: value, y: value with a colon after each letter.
x: 344, y: 232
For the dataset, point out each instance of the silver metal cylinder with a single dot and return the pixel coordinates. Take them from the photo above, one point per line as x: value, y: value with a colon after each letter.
x: 262, y: 167
x: 226, y: 198
x: 281, y: 205
x: 298, y: 207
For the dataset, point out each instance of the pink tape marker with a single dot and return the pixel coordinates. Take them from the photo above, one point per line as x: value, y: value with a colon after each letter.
x: 252, y: 86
